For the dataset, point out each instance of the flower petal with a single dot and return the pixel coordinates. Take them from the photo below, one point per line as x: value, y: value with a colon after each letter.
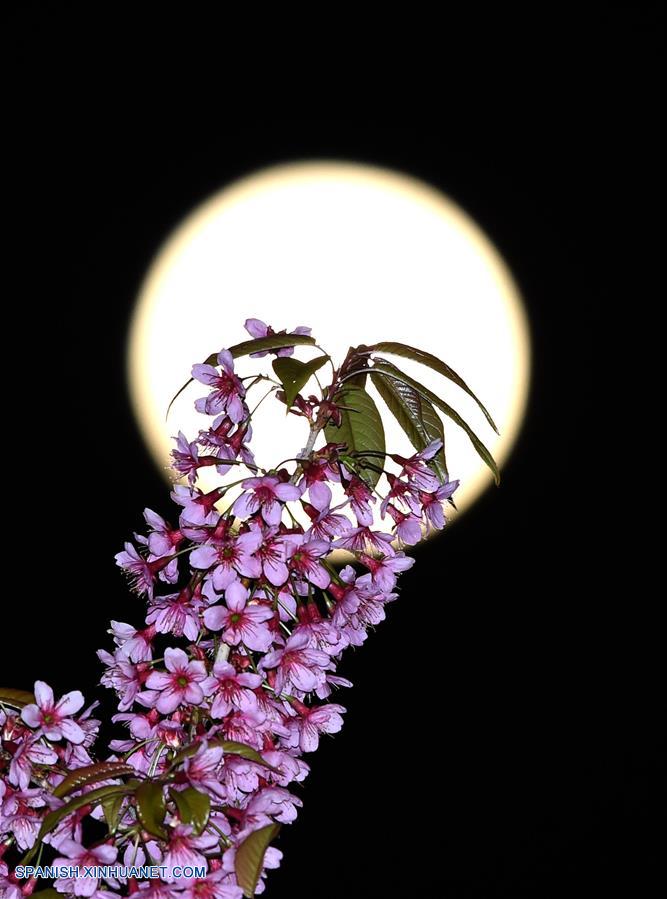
x: 72, y: 731
x: 43, y: 695
x: 70, y: 703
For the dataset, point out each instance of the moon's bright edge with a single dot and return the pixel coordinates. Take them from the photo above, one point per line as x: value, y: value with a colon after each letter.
x: 360, y: 254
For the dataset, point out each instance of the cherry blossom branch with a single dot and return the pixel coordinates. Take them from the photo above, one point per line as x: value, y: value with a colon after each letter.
x: 226, y: 684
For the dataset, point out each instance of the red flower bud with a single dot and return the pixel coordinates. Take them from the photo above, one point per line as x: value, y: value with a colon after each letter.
x: 240, y: 661
x: 313, y: 612
x: 337, y: 591
x: 299, y: 707
x: 29, y: 886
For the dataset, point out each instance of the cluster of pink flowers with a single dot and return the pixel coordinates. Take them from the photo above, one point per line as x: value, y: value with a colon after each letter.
x: 229, y: 680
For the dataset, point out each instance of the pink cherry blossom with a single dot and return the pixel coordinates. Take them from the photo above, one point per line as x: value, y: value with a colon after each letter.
x: 227, y: 447
x: 332, y: 681
x: 228, y: 558
x: 198, y: 507
x: 370, y: 611
x: 306, y: 727
x: 31, y: 752
x: 297, y: 665
x: 8, y: 890
x: 324, y: 635
x: 259, y: 622
x: 203, y: 770
x: 264, y: 495
x: 235, y: 447
x: 416, y: 469
x: 21, y: 816
x: 135, y: 855
x: 326, y: 523
x: 213, y: 886
x: 186, y: 458
x: 133, y: 645
x: 228, y: 391
x: 384, y: 570
x: 180, y: 684
x: 287, y: 767
x: 240, y: 621
x: 304, y: 558
x: 245, y: 727
x: 231, y: 689
x: 183, y: 851
x: 141, y: 572
x: 403, y: 492
x: 271, y: 553
x: 407, y: 525
x: 124, y: 677
x: 319, y: 492
x: 54, y: 719
x: 162, y: 539
x: 365, y: 539
x: 74, y: 854
x: 177, y: 614
x: 432, y: 504
x: 273, y: 802
x: 150, y: 889
x: 141, y: 725
x: 361, y: 497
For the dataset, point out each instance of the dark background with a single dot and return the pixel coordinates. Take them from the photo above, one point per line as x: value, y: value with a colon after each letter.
x: 502, y: 734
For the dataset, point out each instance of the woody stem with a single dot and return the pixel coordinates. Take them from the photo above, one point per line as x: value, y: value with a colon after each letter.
x: 315, y: 429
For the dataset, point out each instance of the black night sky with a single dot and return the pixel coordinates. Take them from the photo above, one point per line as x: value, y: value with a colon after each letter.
x: 502, y: 734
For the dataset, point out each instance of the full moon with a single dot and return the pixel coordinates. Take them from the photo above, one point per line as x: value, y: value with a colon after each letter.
x: 358, y: 253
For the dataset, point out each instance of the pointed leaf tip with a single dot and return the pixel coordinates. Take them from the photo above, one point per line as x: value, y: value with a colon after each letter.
x: 390, y: 371
x: 415, y: 415
x: 249, y: 859
x: 294, y: 374
x: 410, y: 352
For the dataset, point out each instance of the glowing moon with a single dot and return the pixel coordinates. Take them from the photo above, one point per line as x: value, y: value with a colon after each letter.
x: 360, y: 254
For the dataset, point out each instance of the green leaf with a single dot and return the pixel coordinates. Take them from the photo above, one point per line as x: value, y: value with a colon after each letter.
x: 410, y: 352
x: 112, y: 811
x: 250, y: 857
x: 356, y: 361
x: 151, y: 807
x: 91, y: 774
x: 396, y: 374
x: 294, y: 375
x: 272, y: 342
x: 230, y: 747
x: 16, y: 698
x: 50, y: 893
x: 415, y: 415
x: 94, y: 797
x: 193, y: 807
x: 361, y: 426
